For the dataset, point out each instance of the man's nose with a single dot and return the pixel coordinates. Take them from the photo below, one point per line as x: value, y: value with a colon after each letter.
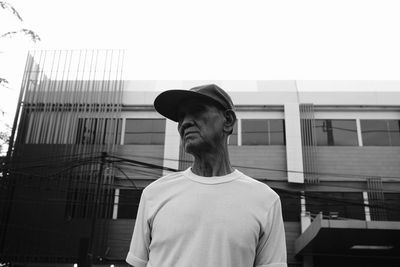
x: 185, y: 123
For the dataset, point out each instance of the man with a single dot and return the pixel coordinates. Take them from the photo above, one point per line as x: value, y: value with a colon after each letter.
x: 210, y: 215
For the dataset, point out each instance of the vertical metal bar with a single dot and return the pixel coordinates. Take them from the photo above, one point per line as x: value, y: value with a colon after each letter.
x: 46, y: 99
x: 306, y: 144
x: 303, y: 142
x: 65, y: 102
x: 102, y: 113
x: 40, y: 100
x: 314, y: 146
x: 311, y: 145
x: 33, y: 101
x: 19, y: 119
x: 54, y: 103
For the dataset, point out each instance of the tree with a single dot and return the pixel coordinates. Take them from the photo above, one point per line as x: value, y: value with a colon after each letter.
x: 5, y: 129
x: 30, y: 33
x: 6, y: 6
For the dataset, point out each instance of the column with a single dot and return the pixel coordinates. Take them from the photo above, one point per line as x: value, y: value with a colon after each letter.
x: 171, y: 146
x: 294, y: 156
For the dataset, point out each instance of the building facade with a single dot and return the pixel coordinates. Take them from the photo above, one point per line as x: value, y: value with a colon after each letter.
x: 84, y: 149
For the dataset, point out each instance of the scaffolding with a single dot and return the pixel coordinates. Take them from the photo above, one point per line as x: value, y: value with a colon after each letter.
x: 69, y: 117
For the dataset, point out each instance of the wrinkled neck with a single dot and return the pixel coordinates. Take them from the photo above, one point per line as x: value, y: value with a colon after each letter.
x: 214, y: 163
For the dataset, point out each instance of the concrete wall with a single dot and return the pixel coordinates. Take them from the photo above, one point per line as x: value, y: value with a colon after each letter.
x: 361, y: 161
x: 261, y: 162
x: 151, y: 154
x: 277, y: 92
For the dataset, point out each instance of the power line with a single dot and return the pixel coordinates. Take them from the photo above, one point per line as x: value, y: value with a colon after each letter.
x: 136, y: 163
x: 343, y: 175
x: 287, y: 191
x: 119, y: 156
x: 151, y: 166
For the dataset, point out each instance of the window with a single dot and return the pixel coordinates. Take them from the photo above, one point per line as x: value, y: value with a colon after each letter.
x: 380, y: 132
x: 290, y: 202
x: 85, y: 202
x: 263, y: 132
x: 98, y: 131
x: 145, y: 131
x: 392, y: 203
x: 340, y: 204
x: 336, y: 132
x: 128, y: 203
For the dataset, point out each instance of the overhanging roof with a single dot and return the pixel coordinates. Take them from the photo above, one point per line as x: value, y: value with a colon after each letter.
x: 350, y: 237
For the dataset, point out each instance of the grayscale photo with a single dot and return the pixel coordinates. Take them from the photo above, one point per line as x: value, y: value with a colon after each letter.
x: 212, y: 134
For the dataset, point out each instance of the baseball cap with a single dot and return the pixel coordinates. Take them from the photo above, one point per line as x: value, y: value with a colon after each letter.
x: 168, y: 102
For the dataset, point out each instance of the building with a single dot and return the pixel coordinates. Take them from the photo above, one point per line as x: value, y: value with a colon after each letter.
x: 84, y: 148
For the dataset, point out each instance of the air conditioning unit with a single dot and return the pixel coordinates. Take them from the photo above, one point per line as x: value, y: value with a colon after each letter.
x: 333, y: 215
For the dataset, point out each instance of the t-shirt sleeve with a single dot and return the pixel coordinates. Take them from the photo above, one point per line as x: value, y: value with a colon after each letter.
x: 138, y: 254
x: 271, y: 248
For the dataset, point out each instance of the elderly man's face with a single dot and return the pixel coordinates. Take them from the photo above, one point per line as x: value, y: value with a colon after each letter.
x: 200, y: 126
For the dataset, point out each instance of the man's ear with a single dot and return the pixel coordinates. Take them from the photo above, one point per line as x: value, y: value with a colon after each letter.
x: 230, y: 119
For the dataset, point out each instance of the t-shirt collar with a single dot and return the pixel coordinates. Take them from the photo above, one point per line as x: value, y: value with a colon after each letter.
x: 212, y: 179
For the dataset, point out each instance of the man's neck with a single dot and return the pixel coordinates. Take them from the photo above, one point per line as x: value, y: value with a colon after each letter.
x: 212, y: 164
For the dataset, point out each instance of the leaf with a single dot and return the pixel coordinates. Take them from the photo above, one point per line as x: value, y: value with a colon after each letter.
x: 34, y: 37
x: 3, y: 82
x: 6, y: 5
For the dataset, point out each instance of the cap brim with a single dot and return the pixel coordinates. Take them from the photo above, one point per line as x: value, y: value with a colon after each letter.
x: 167, y: 103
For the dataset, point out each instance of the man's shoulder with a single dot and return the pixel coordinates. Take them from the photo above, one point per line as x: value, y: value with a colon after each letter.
x: 259, y: 187
x: 163, y: 181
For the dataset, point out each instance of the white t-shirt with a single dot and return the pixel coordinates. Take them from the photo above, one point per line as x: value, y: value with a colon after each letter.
x: 188, y: 220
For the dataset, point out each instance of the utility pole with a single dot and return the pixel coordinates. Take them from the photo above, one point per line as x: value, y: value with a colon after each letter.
x: 90, y: 254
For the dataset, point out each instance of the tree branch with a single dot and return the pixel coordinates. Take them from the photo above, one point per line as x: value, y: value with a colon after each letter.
x: 34, y: 36
x: 5, y: 5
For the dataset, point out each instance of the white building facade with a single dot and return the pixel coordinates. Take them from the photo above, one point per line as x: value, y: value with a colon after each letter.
x: 86, y: 143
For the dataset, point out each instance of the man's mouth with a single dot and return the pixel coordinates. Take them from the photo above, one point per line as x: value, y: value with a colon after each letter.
x: 189, y: 133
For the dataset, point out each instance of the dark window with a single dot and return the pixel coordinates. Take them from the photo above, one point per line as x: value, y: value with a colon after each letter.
x: 98, y: 131
x: 144, y: 131
x: 234, y: 136
x: 128, y: 203
x: 290, y: 202
x: 380, y: 132
x: 336, y: 132
x: 336, y: 204
x: 85, y: 202
x: 392, y: 203
x: 263, y: 132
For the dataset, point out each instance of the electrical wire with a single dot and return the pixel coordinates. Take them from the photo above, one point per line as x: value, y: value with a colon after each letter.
x: 279, y: 190
x: 137, y: 164
x: 342, y: 175
x: 151, y: 173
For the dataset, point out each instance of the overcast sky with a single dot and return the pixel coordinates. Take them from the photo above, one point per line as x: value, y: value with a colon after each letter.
x: 214, y: 39
x: 226, y: 39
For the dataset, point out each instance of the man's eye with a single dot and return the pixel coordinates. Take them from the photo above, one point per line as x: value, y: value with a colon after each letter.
x: 197, y: 109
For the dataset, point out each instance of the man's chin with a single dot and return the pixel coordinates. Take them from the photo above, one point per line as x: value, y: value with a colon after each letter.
x: 191, y: 147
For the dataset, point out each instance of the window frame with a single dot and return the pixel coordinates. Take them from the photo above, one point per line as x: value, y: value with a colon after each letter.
x: 387, y: 132
x: 124, y: 129
x: 330, y: 134
x: 268, y: 141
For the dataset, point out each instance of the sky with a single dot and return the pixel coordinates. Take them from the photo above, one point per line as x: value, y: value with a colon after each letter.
x: 212, y: 39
